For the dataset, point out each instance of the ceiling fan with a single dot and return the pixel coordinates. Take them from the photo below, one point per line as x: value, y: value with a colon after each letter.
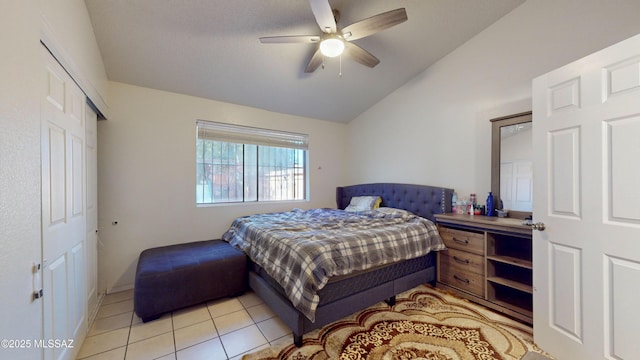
x: 333, y: 42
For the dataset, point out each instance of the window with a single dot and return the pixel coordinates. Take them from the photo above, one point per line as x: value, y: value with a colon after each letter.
x: 246, y: 164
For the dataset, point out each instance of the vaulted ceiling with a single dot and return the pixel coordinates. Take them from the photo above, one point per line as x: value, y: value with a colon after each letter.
x: 210, y: 49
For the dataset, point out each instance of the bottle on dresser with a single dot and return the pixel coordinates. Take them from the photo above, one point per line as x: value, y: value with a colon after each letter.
x: 454, y: 203
x: 490, y: 207
x: 472, y: 205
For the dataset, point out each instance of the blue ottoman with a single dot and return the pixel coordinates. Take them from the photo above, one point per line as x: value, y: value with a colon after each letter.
x: 177, y: 276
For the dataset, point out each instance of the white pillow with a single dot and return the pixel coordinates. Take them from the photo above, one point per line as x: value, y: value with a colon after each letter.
x: 393, y: 212
x: 363, y: 203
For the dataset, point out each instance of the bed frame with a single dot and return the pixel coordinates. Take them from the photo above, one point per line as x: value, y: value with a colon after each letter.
x: 346, y: 295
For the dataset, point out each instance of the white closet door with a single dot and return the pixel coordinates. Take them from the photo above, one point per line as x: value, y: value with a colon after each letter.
x: 63, y: 208
x: 91, y: 121
x: 586, y: 131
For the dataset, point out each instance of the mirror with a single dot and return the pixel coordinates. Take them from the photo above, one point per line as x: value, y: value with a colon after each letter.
x: 512, y: 164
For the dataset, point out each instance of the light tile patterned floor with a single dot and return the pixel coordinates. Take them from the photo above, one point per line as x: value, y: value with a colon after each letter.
x: 222, y: 329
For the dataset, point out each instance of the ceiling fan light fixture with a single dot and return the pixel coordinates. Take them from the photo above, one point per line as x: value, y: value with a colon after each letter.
x: 332, y: 46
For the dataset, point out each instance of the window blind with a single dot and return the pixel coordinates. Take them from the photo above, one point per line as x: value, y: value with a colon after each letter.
x: 211, y: 130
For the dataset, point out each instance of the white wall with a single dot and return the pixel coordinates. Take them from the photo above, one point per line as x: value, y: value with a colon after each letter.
x: 146, y: 172
x: 19, y: 175
x: 518, y: 146
x: 435, y: 129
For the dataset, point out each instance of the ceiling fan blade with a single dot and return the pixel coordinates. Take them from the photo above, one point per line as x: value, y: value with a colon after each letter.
x: 360, y: 55
x: 374, y: 24
x: 324, y: 15
x: 314, y: 62
x: 296, y: 39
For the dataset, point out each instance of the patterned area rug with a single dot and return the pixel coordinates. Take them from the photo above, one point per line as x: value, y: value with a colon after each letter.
x: 425, y: 323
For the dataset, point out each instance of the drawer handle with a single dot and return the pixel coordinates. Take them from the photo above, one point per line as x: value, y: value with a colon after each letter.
x: 461, y: 260
x: 465, y: 241
x: 466, y: 281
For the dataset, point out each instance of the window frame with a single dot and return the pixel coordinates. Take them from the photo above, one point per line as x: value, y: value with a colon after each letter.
x: 252, y: 136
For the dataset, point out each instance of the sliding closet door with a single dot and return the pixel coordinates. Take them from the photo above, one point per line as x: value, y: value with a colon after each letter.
x: 63, y: 209
x: 91, y: 121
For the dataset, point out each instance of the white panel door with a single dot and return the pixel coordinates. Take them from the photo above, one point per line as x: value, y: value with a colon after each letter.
x: 91, y: 121
x: 516, y: 185
x: 586, y: 132
x: 63, y: 208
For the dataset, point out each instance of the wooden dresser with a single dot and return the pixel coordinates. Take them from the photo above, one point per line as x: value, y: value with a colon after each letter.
x: 488, y: 261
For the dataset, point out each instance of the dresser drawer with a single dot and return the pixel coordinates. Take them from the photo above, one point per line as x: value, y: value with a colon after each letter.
x: 467, y: 281
x: 461, y: 261
x: 462, y: 240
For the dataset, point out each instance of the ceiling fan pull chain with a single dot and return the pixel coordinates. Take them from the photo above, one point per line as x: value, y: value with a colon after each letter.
x: 340, y: 65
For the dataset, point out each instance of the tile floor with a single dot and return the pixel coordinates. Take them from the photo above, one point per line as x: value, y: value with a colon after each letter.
x: 222, y: 329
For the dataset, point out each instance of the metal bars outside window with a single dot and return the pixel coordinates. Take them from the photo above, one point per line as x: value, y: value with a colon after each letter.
x: 274, y: 169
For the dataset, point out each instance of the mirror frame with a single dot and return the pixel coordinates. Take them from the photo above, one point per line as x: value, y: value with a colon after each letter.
x: 496, y: 124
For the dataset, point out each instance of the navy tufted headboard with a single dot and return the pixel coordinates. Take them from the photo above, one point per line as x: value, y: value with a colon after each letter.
x: 422, y: 200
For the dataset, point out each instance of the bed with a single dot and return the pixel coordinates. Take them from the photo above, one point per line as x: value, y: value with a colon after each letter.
x: 345, y: 293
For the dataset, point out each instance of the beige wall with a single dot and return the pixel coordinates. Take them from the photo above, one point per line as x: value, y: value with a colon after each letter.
x: 146, y: 172
x: 435, y: 129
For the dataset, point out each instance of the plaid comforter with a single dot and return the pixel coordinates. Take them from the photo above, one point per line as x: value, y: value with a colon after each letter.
x: 302, y: 249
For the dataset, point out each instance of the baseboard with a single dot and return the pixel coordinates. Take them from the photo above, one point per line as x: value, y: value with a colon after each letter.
x: 120, y: 288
